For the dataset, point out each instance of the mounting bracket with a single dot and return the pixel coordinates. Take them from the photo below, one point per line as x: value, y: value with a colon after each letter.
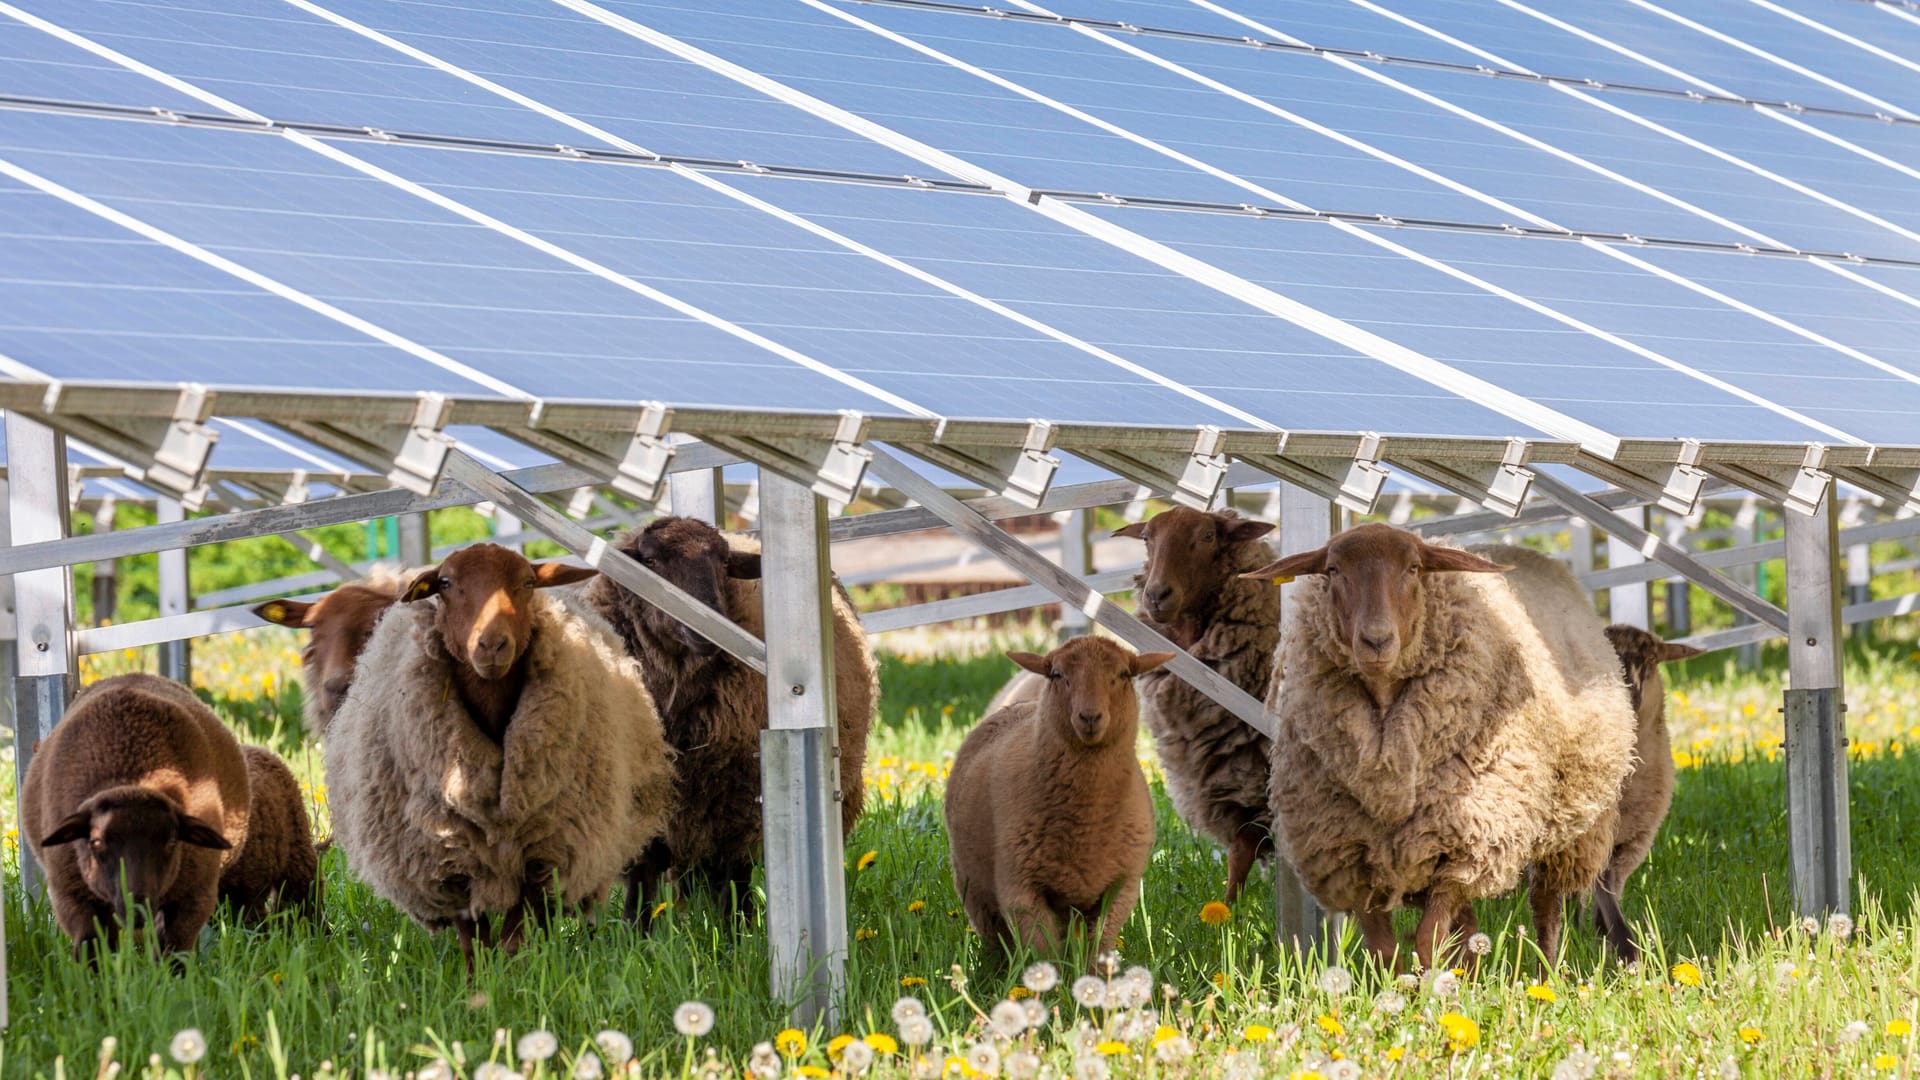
x: 1500, y: 486
x: 412, y: 454
x: 831, y: 468
x: 168, y: 452
x: 1679, y: 491
x: 1191, y: 479
x: 1022, y: 473
x: 632, y: 462
x: 1801, y: 490
x: 1352, y: 482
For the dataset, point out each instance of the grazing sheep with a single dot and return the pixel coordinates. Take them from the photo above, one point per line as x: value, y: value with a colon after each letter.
x: 1048, y: 814
x: 1444, y: 728
x: 139, y: 796
x: 1191, y: 591
x: 341, y: 622
x: 713, y: 707
x: 278, y: 866
x: 1649, y: 788
x: 497, y: 745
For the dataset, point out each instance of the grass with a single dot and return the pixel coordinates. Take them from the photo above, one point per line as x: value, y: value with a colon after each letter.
x: 370, y: 993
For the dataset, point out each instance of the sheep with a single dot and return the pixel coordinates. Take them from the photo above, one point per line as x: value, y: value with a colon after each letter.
x: 1191, y: 591
x: 497, y: 745
x: 341, y: 622
x: 278, y: 866
x: 1443, y: 730
x: 134, y: 805
x: 1649, y: 787
x: 714, y: 707
x: 1048, y: 814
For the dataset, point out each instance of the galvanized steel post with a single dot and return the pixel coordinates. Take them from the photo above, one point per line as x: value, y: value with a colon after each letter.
x: 176, y: 598
x: 1816, y: 744
x: 1307, y: 521
x: 1076, y: 557
x: 700, y: 493
x: 43, y: 599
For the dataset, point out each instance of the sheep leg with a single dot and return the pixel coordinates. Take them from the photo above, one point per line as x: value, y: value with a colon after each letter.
x: 1376, y: 930
x: 1466, y: 923
x: 1548, y: 906
x: 1119, y: 908
x: 1606, y: 911
x: 1035, y: 924
x: 180, y: 923
x: 1431, y: 938
x: 643, y: 884
x: 1246, y: 847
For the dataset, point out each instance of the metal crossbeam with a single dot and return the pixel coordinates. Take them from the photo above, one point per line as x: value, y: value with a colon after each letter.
x: 1748, y: 554
x: 992, y: 603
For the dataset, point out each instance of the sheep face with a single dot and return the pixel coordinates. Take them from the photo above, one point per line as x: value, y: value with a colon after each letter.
x: 131, y: 836
x: 696, y: 557
x: 1641, y: 654
x: 1373, y: 581
x: 1189, y: 558
x: 341, y: 622
x: 485, y: 615
x: 1088, y: 698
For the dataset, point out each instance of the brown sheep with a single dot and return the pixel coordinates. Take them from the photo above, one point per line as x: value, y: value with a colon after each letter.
x: 1649, y: 788
x: 341, y: 622
x: 1445, y: 727
x: 713, y: 707
x: 1048, y: 813
x: 278, y: 866
x: 140, y: 794
x: 1191, y: 591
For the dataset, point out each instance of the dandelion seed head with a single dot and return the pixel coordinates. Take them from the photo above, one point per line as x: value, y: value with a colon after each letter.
x: 615, y: 1047
x: 587, y: 1067
x: 1040, y: 977
x: 432, y: 1070
x: 984, y: 1059
x: 1172, y: 1049
x: 1090, y: 991
x: 1855, y: 1031
x: 1407, y: 981
x: 1444, y: 985
x: 1343, y: 1069
x: 1336, y: 981
x: 1036, y: 1013
x: 1577, y: 1065
x: 493, y: 1070
x: 906, y: 1007
x: 1729, y: 1069
x: 188, y: 1046
x: 1839, y: 926
x: 536, y: 1046
x: 1479, y: 944
x: 1007, y: 1020
x: 1390, y: 1002
x: 1021, y: 1065
x: 1090, y: 1067
x: 916, y: 1031
x: 855, y: 1057
x: 693, y: 1019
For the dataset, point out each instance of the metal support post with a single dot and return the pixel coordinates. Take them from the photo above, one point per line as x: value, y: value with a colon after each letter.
x: 507, y: 529
x: 43, y: 599
x: 1860, y: 582
x: 800, y: 757
x: 1628, y: 603
x: 1076, y: 558
x: 415, y: 544
x: 1816, y: 743
x: 1679, y: 608
x: 7, y: 646
x: 1307, y: 521
x: 1746, y: 532
x: 699, y: 494
x: 176, y: 598
x: 106, y: 573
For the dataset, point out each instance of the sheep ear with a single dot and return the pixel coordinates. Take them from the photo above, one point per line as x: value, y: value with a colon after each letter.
x: 1241, y: 530
x: 1147, y: 661
x: 1135, y: 531
x: 744, y: 565
x: 547, y: 575
x: 1674, y: 650
x: 1033, y: 662
x: 294, y: 613
x: 74, y: 826
x: 1436, y: 560
x: 200, y: 834
x: 1293, y: 566
x: 419, y: 585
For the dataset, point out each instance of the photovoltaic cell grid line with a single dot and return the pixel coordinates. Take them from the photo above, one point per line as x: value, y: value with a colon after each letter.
x: 730, y: 289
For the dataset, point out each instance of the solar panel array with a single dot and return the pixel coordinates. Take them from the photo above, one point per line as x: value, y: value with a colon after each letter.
x: 1603, y: 220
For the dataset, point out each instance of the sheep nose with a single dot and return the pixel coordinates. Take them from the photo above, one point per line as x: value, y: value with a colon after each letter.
x: 1090, y: 720
x: 1377, y: 642
x: 1157, y: 596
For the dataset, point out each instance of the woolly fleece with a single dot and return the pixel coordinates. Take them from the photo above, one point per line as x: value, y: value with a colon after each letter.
x: 277, y: 867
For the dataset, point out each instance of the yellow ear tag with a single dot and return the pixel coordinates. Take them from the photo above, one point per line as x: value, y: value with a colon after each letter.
x: 274, y: 612
x: 419, y: 589
x: 1281, y: 580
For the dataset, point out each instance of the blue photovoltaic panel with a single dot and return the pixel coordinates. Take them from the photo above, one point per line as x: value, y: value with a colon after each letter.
x: 496, y: 449
x: 248, y: 444
x: 1871, y: 23
x: 37, y: 64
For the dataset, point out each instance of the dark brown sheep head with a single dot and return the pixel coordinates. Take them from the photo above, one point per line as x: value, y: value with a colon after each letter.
x: 485, y: 615
x: 341, y: 622
x: 1189, y: 558
x: 131, y: 837
x: 1088, y: 697
x: 1373, y: 577
x: 694, y: 556
x: 1641, y: 654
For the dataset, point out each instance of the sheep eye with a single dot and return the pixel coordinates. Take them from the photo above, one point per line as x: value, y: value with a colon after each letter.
x: 530, y: 583
x: 1333, y: 571
x: 1413, y: 569
x: 99, y: 846
x: 1207, y: 539
x: 1054, y: 674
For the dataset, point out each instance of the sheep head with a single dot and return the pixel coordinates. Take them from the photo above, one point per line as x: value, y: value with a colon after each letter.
x: 1373, y: 577
x: 1189, y: 558
x: 128, y: 844
x: 341, y: 622
x: 485, y: 615
x: 1641, y: 654
x: 696, y: 557
x: 1088, y: 697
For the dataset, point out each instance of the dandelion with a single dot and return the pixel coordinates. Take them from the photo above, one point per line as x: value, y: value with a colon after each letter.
x: 1396, y: 1053
x: 1542, y: 993
x: 1336, y: 981
x: 881, y: 1043
x: 1729, y: 1070
x: 1899, y: 1029
x: 984, y: 1059
x: 1344, y: 1069
x: 813, y: 1072
x: 1008, y: 1020
x: 1886, y: 1062
x: 856, y: 1056
x: 587, y: 1067
x: 433, y: 1070
x: 916, y: 907
x: 1090, y: 991
x: 865, y: 933
x: 1140, y: 981
x: 1036, y: 1013
x: 1215, y: 913
x: 1578, y: 1065
x: 912, y: 981
x: 1407, y: 981
x: 1331, y: 1026
x: 1809, y: 925
x: 916, y: 1031
x: 903, y: 1009
x: 1172, y: 1049
x: 793, y: 1042
x: 1390, y: 1002
x: 866, y: 861
x: 1110, y: 1047
x: 836, y: 1045
x: 1687, y: 973
x: 615, y: 1048
x: 1040, y: 977
x: 1235, y: 1065
x: 1090, y: 1067
x: 1257, y: 1033
x: 1854, y: 1032
x: 1751, y: 1035
x: 188, y: 1046
x: 536, y: 1046
x: 1444, y: 985
x: 1479, y: 944
x: 1462, y: 1033
x: 692, y: 1019
x: 1021, y: 1065
x: 493, y: 1070
x: 1839, y: 926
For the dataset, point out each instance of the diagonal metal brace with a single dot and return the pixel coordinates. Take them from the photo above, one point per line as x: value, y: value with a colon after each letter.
x: 1038, y: 569
x: 609, y: 560
x: 1659, y: 550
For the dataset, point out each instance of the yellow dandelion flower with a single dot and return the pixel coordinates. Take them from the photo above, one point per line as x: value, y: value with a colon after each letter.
x: 811, y: 1070
x: 1111, y: 1047
x: 865, y: 934
x: 1163, y: 1033
x: 1462, y: 1033
x: 1220, y: 979
x: 1886, y: 1062
x: 791, y: 1042
x: 1899, y: 1029
x: 916, y: 907
x: 839, y: 1043
x: 1396, y: 1053
x: 882, y: 1043
x: 1459, y: 973
x: 1687, y: 974
x: 1019, y: 992
x: 1542, y: 993
x: 1751, y: 1035
x: 912, y: 980
x: 1306, y: 1074
x: 1213, y: 913
x: 1331, y: 1026
x: 866, y: 860
x: 660, y: 908
x: 1257, y: 1033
